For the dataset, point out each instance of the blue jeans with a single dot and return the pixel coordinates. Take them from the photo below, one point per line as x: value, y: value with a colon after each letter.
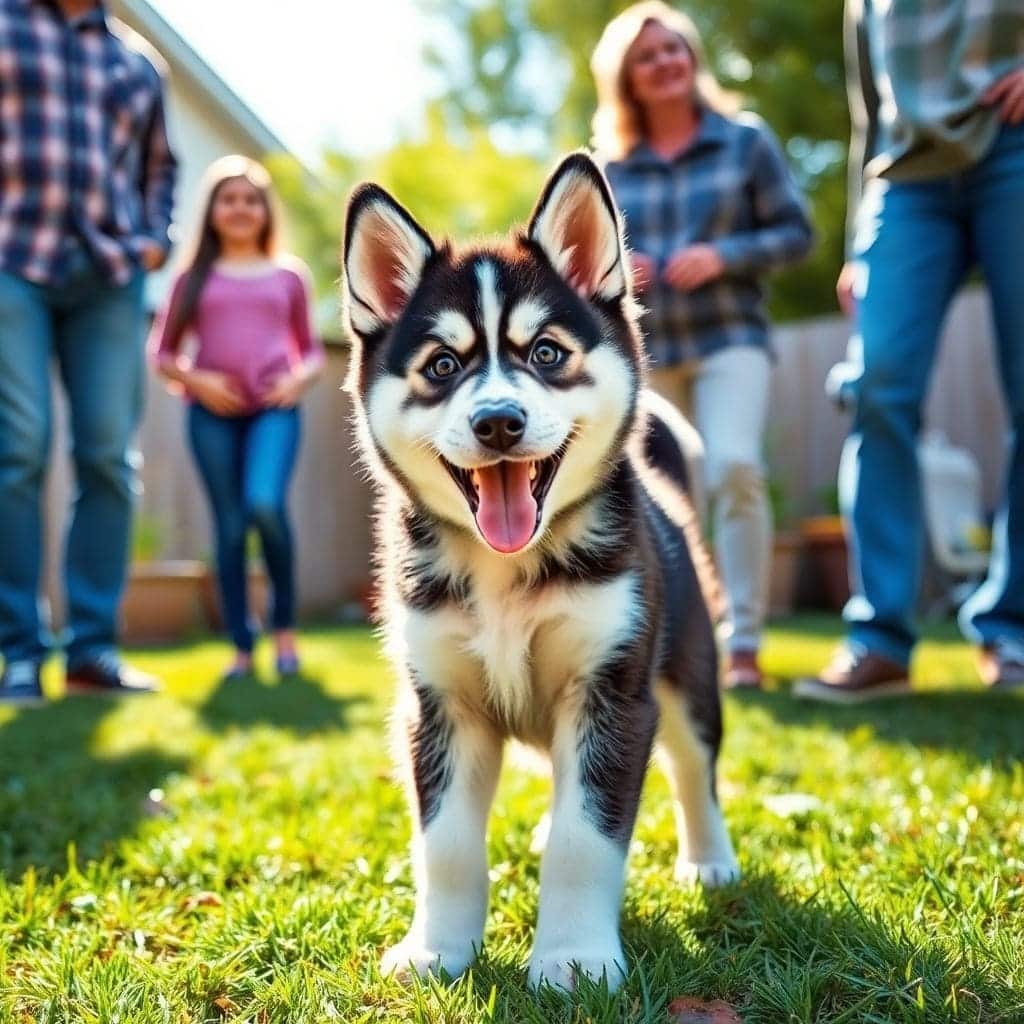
x: 916, y: 243
x: 93, y: 330
x: 246, y: 463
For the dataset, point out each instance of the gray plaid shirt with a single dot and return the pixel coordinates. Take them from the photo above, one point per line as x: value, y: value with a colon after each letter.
x: 729, y: 188
x: 916, y: 71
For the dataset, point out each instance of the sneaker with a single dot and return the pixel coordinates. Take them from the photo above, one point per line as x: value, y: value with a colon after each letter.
x: 107, y: 675
x: 855, y: 675
x: 742, y: 671
x: 241, y: 668
x: 288, y: 665
x: 1001, y: 664
x: 20, y: 686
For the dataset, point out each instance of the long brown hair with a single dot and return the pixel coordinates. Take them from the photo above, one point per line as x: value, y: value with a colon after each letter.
x: 204, y: 248
x: 618, y: 123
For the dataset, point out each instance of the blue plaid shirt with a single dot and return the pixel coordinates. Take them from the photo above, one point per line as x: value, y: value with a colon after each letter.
x: 84, y: 158
x: 729, y: 188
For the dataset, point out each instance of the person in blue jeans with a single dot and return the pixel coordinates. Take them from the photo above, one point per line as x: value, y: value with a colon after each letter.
x: 86, y: 189
x: 939, y: 147
x: 248, y: 311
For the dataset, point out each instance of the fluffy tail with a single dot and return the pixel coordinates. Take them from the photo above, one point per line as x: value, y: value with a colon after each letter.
x: 671, y: 444
x: 673, y: 449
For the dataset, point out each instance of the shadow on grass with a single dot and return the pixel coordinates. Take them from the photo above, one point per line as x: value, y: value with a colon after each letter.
x: 774, y: 958
x: 778, y: 958
x: 56, y: 789
x: 984, y: 725
x: 297, y: 703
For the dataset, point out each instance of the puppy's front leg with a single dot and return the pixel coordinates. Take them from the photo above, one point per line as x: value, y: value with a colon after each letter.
x: 600, y: 752
x: 454, y: 760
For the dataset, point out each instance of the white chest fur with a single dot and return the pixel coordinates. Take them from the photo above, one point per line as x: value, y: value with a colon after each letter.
x: 512, y: 651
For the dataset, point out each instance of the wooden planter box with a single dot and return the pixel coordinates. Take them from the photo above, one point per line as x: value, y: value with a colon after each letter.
x: 787, y: 551
x: 163, y: 602
x: 825, y: 546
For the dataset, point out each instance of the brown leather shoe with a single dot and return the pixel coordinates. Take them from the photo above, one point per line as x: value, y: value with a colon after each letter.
x: 1001, y: 664
x: 853, y: 676
x: 742, y: 671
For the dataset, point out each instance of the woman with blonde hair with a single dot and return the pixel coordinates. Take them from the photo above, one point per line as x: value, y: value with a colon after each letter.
x: 248, y: 311
x: 709, y: 208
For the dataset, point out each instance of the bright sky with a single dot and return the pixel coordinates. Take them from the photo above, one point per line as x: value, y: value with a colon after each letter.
x: 317, y: 72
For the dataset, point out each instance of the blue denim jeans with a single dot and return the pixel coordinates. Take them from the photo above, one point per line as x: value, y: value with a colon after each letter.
x: 93, y: 330
x: 245, y: 463
x: 916, y: 242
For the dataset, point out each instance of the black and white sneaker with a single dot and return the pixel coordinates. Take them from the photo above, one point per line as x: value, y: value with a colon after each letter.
x: 20, y: 686
x: 106, y: 675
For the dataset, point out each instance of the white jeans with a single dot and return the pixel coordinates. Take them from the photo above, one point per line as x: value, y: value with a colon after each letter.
x: 726, y: 397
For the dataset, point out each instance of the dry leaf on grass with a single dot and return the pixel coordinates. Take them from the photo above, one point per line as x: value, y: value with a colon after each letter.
x: 687, y: 1010
x: 201, y: 899
x: 225, y: 1005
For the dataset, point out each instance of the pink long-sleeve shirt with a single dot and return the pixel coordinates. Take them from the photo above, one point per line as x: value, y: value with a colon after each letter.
x: 251, y: 326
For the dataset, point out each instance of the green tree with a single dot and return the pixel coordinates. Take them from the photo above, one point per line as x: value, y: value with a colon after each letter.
x: 520, y: 69
x: 457, y: 185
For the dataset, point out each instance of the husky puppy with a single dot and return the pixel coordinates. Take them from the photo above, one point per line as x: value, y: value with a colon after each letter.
x: 537, y: 576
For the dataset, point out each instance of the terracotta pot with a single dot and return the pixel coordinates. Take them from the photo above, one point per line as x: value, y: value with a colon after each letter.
x: 163, y: 602
x: 787, y: 549
x: 825, y: 544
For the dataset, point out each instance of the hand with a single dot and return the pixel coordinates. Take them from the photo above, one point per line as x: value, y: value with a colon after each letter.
x: 844, y: 288
x: 694, y: 266
x: 644, y: 270
x: 152, y: 256
x: 285, y: 391
x: 1008, y: 92
x: 218, y: 392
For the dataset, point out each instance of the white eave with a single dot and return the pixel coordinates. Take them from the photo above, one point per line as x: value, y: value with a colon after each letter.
x: 184, y: 61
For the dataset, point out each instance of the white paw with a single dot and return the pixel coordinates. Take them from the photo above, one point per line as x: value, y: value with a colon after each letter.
x: 561, y: 967
x: 710, y: 873
x: 411, y: 957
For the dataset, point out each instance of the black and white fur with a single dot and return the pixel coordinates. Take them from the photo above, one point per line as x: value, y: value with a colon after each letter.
x: 593, y: 640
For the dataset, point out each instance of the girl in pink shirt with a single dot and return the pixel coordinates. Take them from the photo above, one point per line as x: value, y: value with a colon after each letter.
x: 236, y: 338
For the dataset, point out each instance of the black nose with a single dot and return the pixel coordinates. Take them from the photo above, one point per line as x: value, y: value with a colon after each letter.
x: 499, y: 426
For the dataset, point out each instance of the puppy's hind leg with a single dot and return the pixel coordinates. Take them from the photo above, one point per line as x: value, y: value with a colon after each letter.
x: 705, y: 850
x: 454, y: 761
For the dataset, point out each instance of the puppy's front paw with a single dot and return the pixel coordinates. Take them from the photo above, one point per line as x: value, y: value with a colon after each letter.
x: 411, y: 956
x: 710, y: 873
x: 561, y: 967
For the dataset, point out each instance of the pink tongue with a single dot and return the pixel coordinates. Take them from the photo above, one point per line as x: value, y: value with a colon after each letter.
x: 507, y: 513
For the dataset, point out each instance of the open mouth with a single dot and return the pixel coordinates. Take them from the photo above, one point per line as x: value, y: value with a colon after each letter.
x: 507, y: 497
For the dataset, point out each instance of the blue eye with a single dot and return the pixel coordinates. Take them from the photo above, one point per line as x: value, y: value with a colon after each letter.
x: 545, y: 353
x: 443, y: 365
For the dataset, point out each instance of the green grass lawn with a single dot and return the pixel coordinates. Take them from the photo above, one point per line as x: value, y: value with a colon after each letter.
x: 239, y: 853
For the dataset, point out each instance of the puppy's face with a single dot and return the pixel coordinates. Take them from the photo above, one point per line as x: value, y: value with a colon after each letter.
x: 496, y: 384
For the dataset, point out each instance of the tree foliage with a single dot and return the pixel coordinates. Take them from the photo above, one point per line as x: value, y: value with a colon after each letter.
x: 520, y: 70
x: 457, y: 185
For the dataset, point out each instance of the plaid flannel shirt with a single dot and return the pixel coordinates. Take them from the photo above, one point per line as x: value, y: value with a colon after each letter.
x: 83, y: 144
x: 916, y: 71
x: 730, y: 188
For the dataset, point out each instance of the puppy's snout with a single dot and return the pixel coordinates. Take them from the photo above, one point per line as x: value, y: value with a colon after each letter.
x: 499, y: 426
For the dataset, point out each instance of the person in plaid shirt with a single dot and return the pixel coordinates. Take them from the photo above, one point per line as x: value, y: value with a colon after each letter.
x: 709, y: 207
x: 937, y: 188
x: 86, y: 183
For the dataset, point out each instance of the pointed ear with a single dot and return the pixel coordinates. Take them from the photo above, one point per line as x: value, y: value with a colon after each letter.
x: 576, y: 224
x: 385, y: 251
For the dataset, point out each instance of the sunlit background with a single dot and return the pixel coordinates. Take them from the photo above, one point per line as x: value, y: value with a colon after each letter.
x: 461, y: 106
